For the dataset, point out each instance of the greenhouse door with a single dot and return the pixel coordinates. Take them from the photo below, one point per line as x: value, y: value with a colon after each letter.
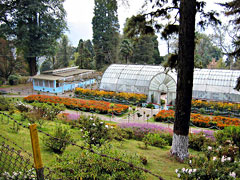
x: 162, y: 84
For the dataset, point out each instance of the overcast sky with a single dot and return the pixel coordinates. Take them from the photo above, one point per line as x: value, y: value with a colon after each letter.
x: 80, y: 14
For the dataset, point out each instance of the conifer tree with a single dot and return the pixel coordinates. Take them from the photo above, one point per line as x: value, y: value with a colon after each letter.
x: 105, y: 32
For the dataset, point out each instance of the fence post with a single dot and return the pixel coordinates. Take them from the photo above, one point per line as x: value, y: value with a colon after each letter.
x: 36, y: 152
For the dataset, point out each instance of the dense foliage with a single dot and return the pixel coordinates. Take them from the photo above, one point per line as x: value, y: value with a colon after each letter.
x: 86, y: 165
x: 58, y: 145
x: 34, y: 25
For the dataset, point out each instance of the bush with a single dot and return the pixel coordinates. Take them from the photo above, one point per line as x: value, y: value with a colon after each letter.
x: 23, y: 80
x: 167, y: 137
x: 94, y: 131
x: 48, y: 110
x: 231, y: 133
x: 150, y: 105
x: 153, y: 139
x: 13, y: 79
x: 4, y: 104
x: 198, y: 141
x: 55, y: 145
x: 212, y: 165
x: 86, y: 165
x: 202, y: 111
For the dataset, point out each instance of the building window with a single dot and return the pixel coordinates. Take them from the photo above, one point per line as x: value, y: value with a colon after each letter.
x: 51, y: 84
x: 35, y: 82
x: 40, y: 83
x: 46, y: 83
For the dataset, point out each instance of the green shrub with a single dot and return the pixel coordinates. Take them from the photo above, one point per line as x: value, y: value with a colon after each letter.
x: 55, y: 145
x: 118, y: 134
x: 167, y: 137
x: 202, y: 111
x: 94, y: 132
x: 231, y: 133
x: 23, y: 80
x: 150, y: 105
x: 86, y: 165
x: 13, y: 79
x: 211, y: 165
x: 48, y: 111
x: 4, y: 104
x: 162, y: 102
x: 198, y: 141
x: 154, y: 139
x: 216, y: 113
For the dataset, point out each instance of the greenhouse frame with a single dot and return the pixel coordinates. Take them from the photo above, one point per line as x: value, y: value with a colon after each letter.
x: 208, y: 84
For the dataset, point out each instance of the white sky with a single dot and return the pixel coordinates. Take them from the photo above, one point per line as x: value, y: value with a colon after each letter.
x: 80, y: 14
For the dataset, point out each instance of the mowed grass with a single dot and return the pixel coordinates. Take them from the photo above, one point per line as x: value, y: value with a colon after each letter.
x: 159, y: 160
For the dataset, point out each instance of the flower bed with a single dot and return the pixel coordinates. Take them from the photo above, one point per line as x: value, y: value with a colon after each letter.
x: 122, y: 96
x: 216, y: 106
x: 84, y: 105
x: 200, y: 120
x: 141, y: 129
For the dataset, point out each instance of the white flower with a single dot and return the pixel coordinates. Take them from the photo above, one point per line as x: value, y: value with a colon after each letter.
x: 101, y: 122
x: 220, y: 147
x: 93, y: 124
x: 106, y: 126
x: 233, y: 174
x: 93, y: 138
x: 223, y: 159
x: 229, y: 158
x: 214, y: 158
x: 194, y: 170
x: 209, y: 148
x: 190, y: 171
x: 190, y: 161
x: 178, y: 175
x: 183, y: 169
x: 91, y: 118
x: 176, y: 170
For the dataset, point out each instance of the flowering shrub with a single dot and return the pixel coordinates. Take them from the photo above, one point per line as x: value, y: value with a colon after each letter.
x: 199, y: 140
x: 231, y: 133
x: 213, y: 165
x: 111, y: 95
x: 200, y: 120
x: 94, y: 132
x: 30, y: 174
x: 84, y: 105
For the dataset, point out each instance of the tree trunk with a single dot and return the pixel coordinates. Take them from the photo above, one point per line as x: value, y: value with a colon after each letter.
x: 32, y: 62
x: 185, y: 66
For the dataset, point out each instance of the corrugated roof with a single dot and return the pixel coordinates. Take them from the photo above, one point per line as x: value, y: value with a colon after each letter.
x: 60, y: 70
x: 72, y: 73
x: 47, y: 77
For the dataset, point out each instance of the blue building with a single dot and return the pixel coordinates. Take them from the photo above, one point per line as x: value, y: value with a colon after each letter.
x: 62, y: 80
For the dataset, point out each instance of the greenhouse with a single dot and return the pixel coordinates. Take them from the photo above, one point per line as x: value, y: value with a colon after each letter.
x: 154, y: 81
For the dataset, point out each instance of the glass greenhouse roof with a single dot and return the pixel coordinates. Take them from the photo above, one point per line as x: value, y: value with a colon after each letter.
x: 145, y: 78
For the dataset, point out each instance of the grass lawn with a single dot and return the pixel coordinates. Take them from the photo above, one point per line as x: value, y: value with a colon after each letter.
x: 159, y: 160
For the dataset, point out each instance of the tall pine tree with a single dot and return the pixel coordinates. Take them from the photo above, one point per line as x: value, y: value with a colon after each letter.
x: 105, y: 32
